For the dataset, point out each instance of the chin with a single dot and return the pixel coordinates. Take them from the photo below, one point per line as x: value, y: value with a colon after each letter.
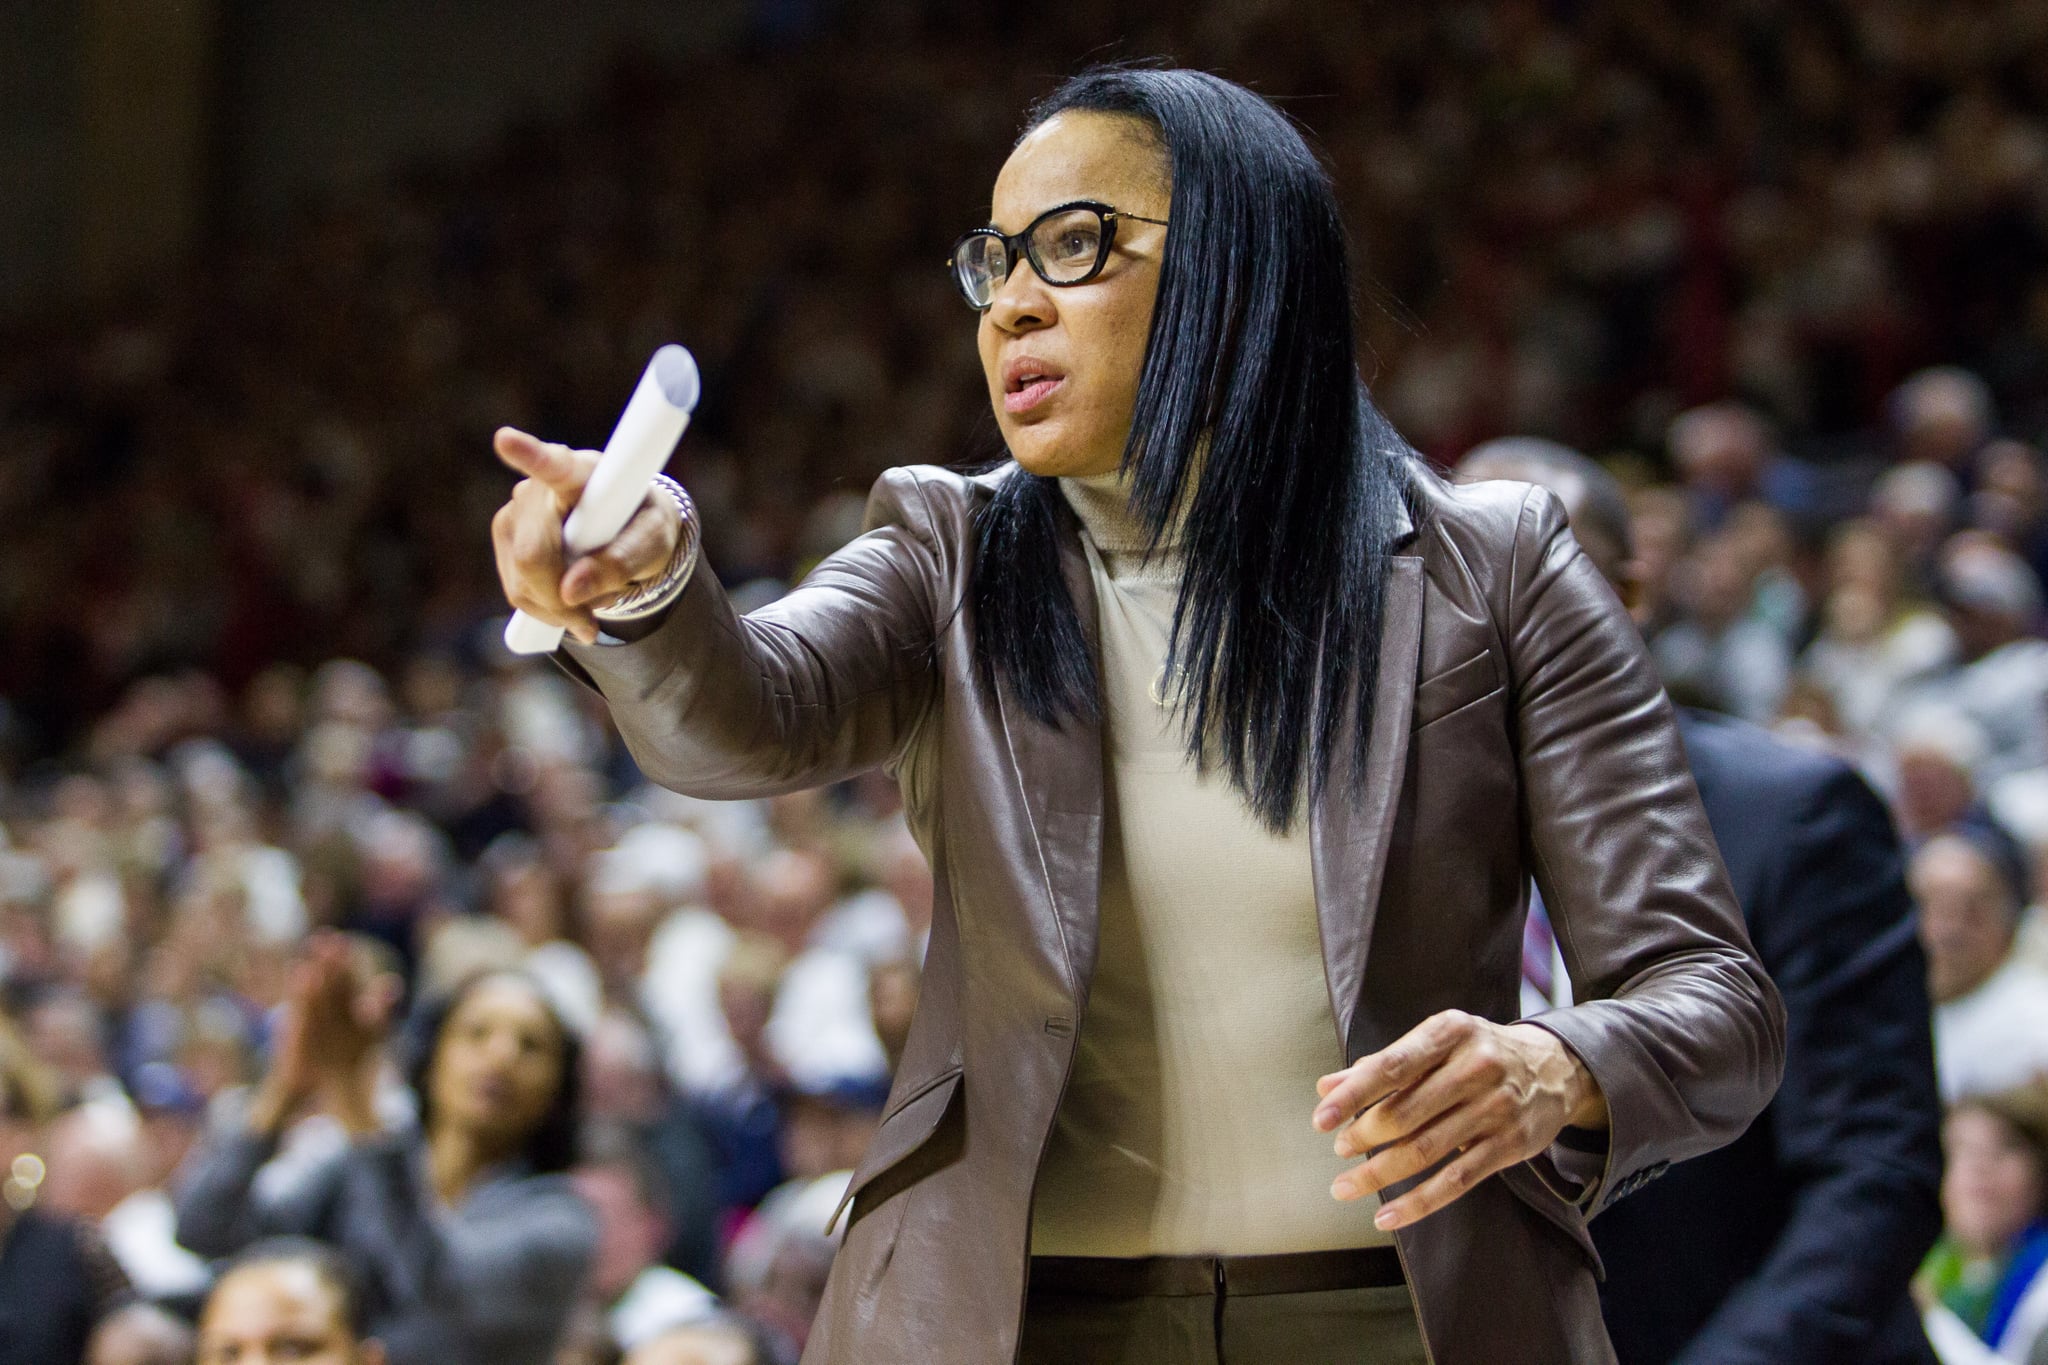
x: 1043, y: 454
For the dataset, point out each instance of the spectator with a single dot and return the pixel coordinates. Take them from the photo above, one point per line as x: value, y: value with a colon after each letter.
x: 1725, y: 455
x: 1943, y: 416
x: 287, y: 1299
x: 143, y: 1334
x: 624, y: 1085
x: 1993, y: 603
x: 469, y: 1237
x: 1936, y: 752
x: 640, y: 1298
x: 2011, y: 501
x: 775, y: 1271
x: 1985, y: 1284
x: 1874, y: 641
x: 1916, y: 506
x: 743, y: 1119
x: 141, y: 1230
x: 523, y: 891
x: 709, y: 1343
x: 1721, y: 656
x: 1990, y: 1008
x: 57, y: 1280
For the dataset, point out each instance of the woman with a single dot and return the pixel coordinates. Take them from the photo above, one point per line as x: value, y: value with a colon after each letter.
x: 1985, y: 1284
x: 465, y: 1230
x: 1234, y: 737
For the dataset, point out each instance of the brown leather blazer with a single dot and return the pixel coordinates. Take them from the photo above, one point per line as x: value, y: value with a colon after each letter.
x: 1519, y: 732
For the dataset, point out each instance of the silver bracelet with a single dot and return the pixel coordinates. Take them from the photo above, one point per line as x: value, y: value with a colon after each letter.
x: 657, y: 594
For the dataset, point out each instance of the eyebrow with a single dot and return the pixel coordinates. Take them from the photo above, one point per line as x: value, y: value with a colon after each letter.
x: 1083, y: 202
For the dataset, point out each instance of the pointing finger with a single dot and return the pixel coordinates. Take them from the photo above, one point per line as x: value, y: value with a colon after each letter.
x: 563, y: 470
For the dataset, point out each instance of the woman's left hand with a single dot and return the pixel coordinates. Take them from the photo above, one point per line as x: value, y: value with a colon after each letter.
x: 1493, y: 1094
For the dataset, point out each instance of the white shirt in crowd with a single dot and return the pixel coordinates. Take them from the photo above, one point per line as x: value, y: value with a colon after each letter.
x: 1996, y: 1036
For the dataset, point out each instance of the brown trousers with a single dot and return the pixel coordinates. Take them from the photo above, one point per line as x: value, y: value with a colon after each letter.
x: 1322, y: 1327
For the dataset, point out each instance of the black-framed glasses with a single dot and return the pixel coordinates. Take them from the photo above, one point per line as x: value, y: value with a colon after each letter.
x: 1066, y: 245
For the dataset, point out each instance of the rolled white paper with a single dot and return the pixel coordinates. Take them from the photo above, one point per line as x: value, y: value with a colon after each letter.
x: 640, y: 446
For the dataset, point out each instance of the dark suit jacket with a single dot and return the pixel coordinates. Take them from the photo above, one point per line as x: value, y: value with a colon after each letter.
x: 1795, y: 1242
x: 1519, y: 730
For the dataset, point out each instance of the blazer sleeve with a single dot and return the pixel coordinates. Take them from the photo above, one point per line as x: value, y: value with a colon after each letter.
x: 1856, y: 1125
x: 1676, y: 1019
x: 827, y: 682
x: 219, y: 1210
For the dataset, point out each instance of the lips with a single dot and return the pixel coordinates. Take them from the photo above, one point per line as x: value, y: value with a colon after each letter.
x: 1028, y: 381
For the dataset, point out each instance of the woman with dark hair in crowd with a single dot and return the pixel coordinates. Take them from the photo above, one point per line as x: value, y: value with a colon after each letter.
x: 467, y: 1235
x: 1234, y: 736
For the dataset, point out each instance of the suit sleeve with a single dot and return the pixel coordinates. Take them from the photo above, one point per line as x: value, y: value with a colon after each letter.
x: 825, y: 683
x: 218, y: 1208
x: 1677, y: 1022
x: 1856, y: 1124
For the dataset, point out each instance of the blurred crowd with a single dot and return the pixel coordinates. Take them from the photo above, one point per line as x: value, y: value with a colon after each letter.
x: 1572, y: 219
x: 735, y: 980
x: 289, y: 847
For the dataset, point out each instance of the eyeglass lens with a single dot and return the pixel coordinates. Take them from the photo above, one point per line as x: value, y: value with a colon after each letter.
x: 1064, y: 248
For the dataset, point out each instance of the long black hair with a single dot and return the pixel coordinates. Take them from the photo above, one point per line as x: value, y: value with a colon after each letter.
x: 551, y: 1146
x: 1250, y: 414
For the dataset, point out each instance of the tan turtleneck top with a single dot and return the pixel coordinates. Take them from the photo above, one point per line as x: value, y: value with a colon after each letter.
x: 1185, y: 1125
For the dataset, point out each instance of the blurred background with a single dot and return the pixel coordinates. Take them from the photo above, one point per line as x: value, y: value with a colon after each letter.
x: 271, y: 273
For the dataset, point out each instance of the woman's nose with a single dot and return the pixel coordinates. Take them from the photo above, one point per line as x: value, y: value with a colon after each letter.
x: 1022, y: 302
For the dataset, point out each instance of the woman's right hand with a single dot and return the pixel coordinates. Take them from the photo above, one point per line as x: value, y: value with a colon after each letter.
x: 526, y: 534
x: 328, y: 1040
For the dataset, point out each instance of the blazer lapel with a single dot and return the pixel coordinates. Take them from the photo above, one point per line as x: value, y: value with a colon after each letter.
x: 1060, y: 773
x: 1348, y: 838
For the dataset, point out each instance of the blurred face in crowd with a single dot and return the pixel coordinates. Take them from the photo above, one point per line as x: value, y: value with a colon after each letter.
x: 1721, y: 582
x: 141, y: 1334
x: 619, y: 928
x: 1966, y: 916
x: 795, y: 889
x: 620, y: 1073
x: 1720, y: 448
x: 630, y: 1234
x: 820, y: 1135
x: 527, y: 897
x: 1993, y: 1186
x: 498, y: 1063
x: 2010, y: 494
x: 696, y: 1346
x: 64, y: 1034
x: 1086, y: 342
x: 94, y: 1164
x: 278, y: 1312
x: 1941, y: 420
x: 1658, y: 526
x: 1935, y: 788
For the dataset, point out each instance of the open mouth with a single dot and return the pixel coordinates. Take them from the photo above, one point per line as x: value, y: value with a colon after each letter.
x: 1029, y: 394
x: 1027, y: 382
